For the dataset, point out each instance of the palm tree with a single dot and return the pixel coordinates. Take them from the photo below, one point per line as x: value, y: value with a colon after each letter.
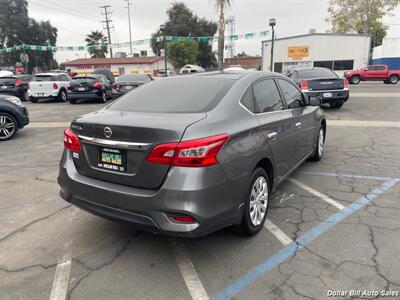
x: 221, y: 5
x: 97, y: 38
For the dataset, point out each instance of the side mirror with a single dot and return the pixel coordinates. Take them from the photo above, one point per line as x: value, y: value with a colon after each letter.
x: 314, y: 101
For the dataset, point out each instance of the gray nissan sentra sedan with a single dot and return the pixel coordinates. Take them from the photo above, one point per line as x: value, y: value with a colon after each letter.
x: 189, y: 155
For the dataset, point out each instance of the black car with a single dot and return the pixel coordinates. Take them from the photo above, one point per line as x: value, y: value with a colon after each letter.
x: 128, y: 82
x: 96, y: 86
x: 323, y: 83
x: 13, y: 116
x: 16, y: 85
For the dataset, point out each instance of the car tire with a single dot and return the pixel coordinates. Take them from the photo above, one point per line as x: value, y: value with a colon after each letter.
x: 33, y: 99
x: 8, y: 126
x: 319, y: 145
x: 355, y: 79
x: 25, y: 96
x: 393, y: 79
x: 256, y: 204
x: 386, y: 82
x: 103, y: 97
x: 62, y: 96
x: 72, y: 101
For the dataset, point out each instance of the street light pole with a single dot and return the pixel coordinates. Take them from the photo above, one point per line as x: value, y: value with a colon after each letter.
x: 130, y: 30
x: 162, y: 28
x: 272, y: 23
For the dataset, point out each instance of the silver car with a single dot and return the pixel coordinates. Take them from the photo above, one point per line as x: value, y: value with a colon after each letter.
x: 186, y: 156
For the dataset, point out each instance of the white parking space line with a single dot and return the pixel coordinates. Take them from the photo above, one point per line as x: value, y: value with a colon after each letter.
x: 61, y: 279
x: 279, y: 234
x: 351, y: 123
x: 49, y: 125
x: 316, y: 193
x: 188, y: 271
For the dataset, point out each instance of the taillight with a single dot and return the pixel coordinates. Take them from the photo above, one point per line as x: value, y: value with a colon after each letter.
x: 182, y: 218
x: 28, y: 86
x: 71, y: 141
x: 346, y: 83
x: 68, y: 87
x: 304, y: 85
x: 55, y: 86
x: 115, y: 86
x: 18, y: 82
x: 97, y: 85
x: 194, y: 153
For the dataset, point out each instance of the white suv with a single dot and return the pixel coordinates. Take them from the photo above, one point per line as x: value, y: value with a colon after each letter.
x: 49, y: 85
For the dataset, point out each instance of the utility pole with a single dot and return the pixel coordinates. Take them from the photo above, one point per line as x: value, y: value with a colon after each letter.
x: 129, y: 18
x: 107, y: 15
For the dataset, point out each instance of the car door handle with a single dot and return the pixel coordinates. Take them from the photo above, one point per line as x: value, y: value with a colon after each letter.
x: 298, y: 124
x: 272, y: 135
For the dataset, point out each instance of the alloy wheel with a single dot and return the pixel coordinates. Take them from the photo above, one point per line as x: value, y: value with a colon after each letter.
x: 258, y: 201
x: 320, y: 142
x: 7, y: 127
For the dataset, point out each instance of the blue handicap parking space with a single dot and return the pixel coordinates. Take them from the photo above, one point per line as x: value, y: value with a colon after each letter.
x: 307, y: 237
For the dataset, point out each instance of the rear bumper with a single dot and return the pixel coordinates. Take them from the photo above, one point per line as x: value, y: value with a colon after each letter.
x: 337, y: 95
x: 79, y: 96
x: 43, y: 95
x: 203, y: 193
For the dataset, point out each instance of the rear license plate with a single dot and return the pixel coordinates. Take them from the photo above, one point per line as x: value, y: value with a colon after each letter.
x: 81, y: 89
x: 3, y: 87
x: 128, y: 87
x: 112, y: 159
x: 40, y: 94
x: 327, y: 95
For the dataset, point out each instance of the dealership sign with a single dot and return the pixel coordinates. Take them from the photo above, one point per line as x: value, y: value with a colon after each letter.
x: 298, y: 52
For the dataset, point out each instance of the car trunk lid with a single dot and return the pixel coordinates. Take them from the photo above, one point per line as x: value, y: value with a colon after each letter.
x: 325, y: 84
x: 115, y: 145
x: 7, y: 83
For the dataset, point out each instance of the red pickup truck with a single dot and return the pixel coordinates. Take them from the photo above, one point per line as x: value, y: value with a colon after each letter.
x: 373, y: 73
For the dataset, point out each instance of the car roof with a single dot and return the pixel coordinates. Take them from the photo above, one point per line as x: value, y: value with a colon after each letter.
x: 49, y: 74
x: 309, y: 68
x: 236, y: 74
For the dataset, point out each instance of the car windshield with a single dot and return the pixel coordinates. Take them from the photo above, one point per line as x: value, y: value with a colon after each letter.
x: 45, y: 78
x: 183, y: 95
x: 316, y: 73
x: 133, y: 77
x: 80, y: 80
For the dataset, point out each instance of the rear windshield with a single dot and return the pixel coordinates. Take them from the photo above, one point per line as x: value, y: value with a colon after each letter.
x: 7, y: 79
x: 133, y: 77
x: 316, y: 73
x: 45, y: 78
x: 180, y: 95
x: 80, y: 80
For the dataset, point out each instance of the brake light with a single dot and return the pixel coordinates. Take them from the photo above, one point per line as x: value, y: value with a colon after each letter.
x: 304, y: 85
x: 346, y: 83
x: 194, y: 153
x: 55, y: 86
x: 68, y: 87
x: 115, y: 86
x: 97, y: 85
x: 28, y: 86
x: 18, y: 82
x: 71, y: 141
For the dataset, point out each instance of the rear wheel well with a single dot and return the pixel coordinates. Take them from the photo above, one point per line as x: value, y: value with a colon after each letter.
x: 266, y: 164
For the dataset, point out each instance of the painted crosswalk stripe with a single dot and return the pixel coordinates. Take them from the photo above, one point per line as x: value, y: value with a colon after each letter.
x: 316, y: 193
x: 279, y: 234
x: 188, y: 270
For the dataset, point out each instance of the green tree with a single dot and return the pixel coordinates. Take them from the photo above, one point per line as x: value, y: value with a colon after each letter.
x: 97, y: 39
x: 183, y: 52
x: 221, y: 5
x: 181, y: 21
x: 17, y: 28
x: 361, y: 16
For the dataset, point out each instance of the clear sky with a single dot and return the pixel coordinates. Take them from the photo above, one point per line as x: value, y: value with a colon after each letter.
x: 75, y: 18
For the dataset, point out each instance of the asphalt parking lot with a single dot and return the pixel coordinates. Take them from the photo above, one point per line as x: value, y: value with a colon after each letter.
x: 333, y: 226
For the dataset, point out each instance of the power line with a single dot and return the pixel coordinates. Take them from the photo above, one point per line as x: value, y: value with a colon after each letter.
x: 107, y: 14
x: 129, y: 18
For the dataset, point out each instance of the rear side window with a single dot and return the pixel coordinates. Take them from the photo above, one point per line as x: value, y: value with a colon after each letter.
x: 316, y: 73
x: 291, y: 94
x: 183, y: 95
x: 80, y: 80
x: 248, y: 99
x: 45, y: 78
x: 266, y: 96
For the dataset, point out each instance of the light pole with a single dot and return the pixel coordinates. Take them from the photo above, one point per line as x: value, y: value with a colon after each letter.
x: 272, y: 23
x: 129, y: 18
x: 162, y: 29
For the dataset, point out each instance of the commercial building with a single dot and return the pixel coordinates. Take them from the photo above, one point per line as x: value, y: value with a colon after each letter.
x: 336, y: 51
x: 246, y: 62
x: 388, y: 54
x: 119, y: 66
